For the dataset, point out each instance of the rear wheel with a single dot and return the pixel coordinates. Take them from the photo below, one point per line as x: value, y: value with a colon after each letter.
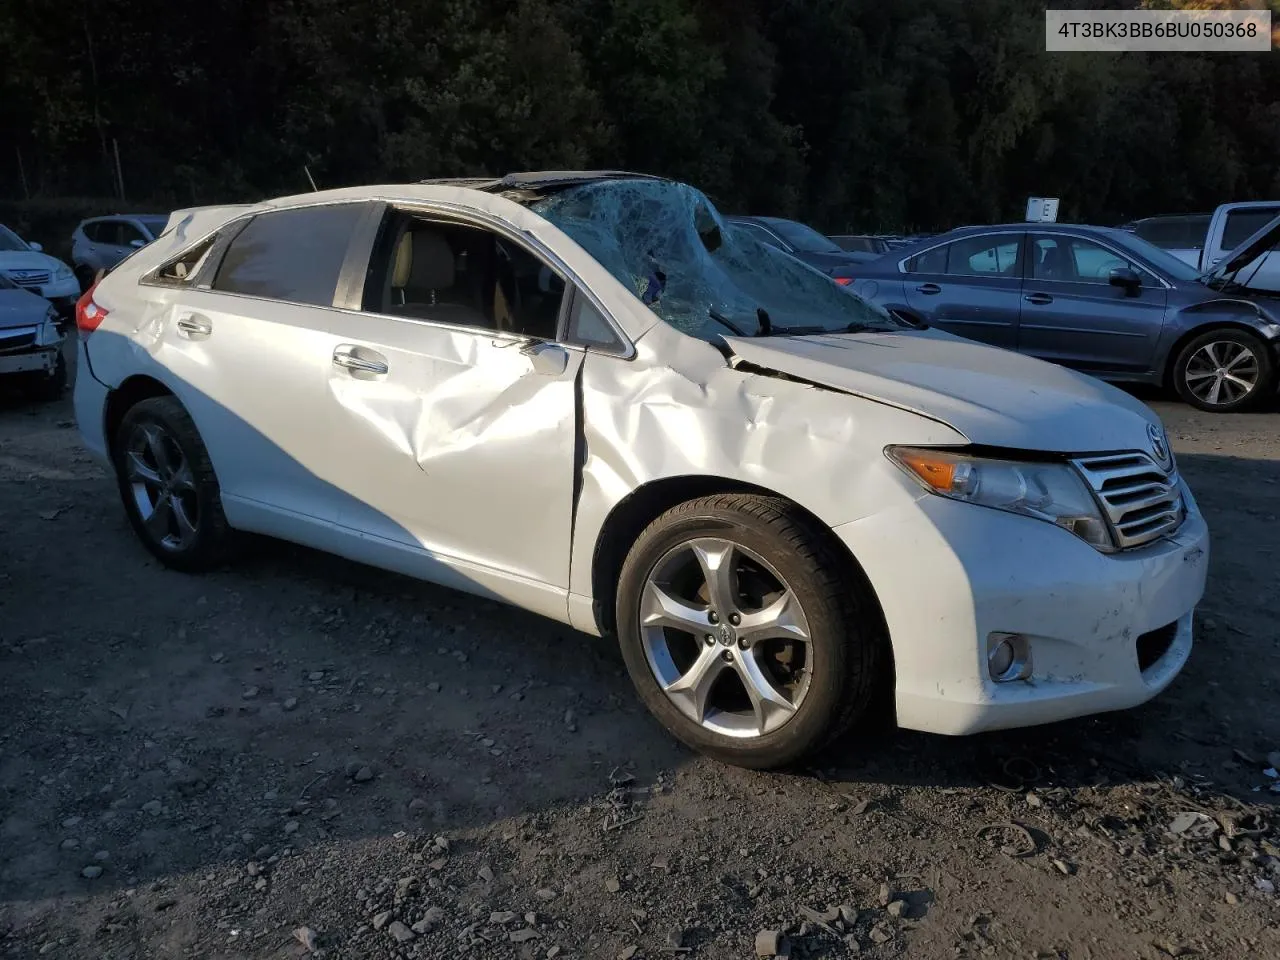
x: 745, y: 633
x: 1224, y: 371
x: 168, y: 486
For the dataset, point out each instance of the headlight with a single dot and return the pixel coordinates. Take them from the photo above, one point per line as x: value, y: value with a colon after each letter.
x: 47, y: 334
x: 63, y: 273
x: 1047, y: 491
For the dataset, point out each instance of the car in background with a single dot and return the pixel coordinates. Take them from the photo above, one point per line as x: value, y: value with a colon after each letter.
x: 781, y: 503
x: 30, y: 268
x: 1101, y: 300
x: 99, y: 243
x: 862, y: 243
x: 1203, y: 240
x: 806, y: 244
x: 1180, y: 234
x: 30, y: 342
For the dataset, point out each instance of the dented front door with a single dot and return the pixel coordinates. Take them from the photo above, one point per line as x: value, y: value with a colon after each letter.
x: 457, y: 441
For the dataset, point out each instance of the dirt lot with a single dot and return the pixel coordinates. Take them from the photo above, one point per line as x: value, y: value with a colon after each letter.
x: 199, y: 766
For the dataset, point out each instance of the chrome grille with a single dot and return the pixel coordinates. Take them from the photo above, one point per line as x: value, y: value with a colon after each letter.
x: 29, y: 278
x: 1142, y: 500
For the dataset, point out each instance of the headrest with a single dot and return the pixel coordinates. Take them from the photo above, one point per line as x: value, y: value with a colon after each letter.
x: 433, y: 263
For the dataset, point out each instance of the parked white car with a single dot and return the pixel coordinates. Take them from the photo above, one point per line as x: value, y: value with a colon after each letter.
x: 582, y: 395
x: 30, y: 268
x: 1203, y: 241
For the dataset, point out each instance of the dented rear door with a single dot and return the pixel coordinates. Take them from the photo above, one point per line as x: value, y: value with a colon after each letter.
x: 450, y: 439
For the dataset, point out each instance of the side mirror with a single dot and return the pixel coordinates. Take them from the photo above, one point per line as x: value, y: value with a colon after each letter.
x: 35, y: 246
x: 1126, y: 277
x: 549, y: 359
x: 136, y: 243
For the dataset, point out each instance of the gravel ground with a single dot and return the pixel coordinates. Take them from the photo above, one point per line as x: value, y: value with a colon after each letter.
x: 303, y: 755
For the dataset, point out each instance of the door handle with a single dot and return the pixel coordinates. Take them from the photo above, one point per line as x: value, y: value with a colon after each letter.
x: 360, y: 360
x: 929, y: 288
x: 1040, y: 298
x: 194, y: 326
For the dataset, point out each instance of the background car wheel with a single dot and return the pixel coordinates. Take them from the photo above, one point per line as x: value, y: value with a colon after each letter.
x: 52, y: 386
x: 168, y: 486
x: 85, y: 275
x: 1224, y: 371
x: 745, y: 633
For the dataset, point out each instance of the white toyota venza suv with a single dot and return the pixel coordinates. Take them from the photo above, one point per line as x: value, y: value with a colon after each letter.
x: 587, y: 395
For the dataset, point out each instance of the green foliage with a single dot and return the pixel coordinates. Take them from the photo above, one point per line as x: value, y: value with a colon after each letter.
x: 853, y: 114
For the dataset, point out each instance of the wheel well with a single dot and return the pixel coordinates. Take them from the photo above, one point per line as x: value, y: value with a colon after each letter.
x: 119, y: 401
x: 644, y: 505
x: 1194, y: 332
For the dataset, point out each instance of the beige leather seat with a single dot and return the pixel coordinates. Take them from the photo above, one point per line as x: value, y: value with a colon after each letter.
x: 422, y: 276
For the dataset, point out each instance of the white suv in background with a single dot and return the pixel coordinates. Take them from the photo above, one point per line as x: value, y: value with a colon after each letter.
x: 584, y: 395
x: 102, y: 242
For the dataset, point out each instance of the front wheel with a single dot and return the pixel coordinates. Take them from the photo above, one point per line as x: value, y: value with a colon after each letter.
x: 745, y: 632
x: 1224, y: 371
x: 168, y: 486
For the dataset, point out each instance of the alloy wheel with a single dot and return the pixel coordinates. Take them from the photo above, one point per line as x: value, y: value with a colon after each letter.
x: 163, y: 486
x: 1222, y: 372
x: 726, y: 638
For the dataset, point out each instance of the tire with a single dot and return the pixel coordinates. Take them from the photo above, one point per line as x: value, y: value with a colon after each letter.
x: 159, y: 458
x: 771, y: 542
x: 1237, y: 352
x: 51, y: 387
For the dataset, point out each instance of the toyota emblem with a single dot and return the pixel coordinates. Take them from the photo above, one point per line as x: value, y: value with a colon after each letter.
x: 1159, y: 444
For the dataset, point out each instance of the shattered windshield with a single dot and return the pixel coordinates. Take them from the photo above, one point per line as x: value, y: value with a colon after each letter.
x: 668, y: 244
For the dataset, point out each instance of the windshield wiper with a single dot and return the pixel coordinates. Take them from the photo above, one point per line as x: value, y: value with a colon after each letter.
x: 762, y: 317
x: 721, y: 319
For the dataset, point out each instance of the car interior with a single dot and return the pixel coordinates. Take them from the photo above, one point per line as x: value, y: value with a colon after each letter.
x: 467, y: 276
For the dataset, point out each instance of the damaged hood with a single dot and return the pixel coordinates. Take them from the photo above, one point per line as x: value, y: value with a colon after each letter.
x: 993, y: 397
x: 21, y: 308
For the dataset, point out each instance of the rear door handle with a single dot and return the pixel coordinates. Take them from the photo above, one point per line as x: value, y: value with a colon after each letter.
x: 360, y: 359
x: 1038, y: 298
x: 929, y: 288
x: 194, y: 326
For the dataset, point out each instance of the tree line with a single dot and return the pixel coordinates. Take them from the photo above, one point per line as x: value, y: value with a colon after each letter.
x: 852, y: 114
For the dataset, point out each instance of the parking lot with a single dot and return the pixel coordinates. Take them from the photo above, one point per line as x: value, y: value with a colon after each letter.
x: 201, y: 766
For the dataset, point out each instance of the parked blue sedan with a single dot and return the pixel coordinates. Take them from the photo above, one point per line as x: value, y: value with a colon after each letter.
x: 1101, y: 300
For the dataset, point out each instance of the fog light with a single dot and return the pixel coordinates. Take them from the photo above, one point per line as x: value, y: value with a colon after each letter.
x: 1008, y: 657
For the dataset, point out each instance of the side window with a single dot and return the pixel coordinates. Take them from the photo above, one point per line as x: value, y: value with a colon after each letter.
x: 1074, y: 260
x: 293, y: 255
x: 588, y: 327
x: 182, y: 268
x: 985, y: 256
x: 1242, y: 224
x: 448, y: 272
x: 130, y: 233
x: 931, y: 261
x: 93, y: 231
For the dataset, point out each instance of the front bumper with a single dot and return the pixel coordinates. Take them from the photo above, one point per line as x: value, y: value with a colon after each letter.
x: 948, y: 574
x: 37, y: 360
